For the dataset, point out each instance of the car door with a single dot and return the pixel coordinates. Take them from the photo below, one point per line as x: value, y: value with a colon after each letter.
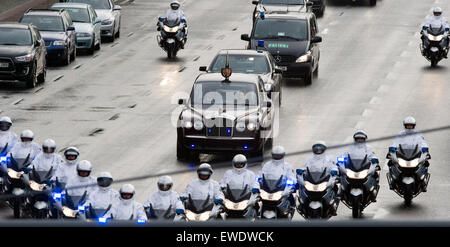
x: 97, y: 26
x: 266, y: 112
x: 116, y: 14
x: 314, y: 46
x: 40, y: 50
x: 36, y: 48
x: 72, y: 34
x: 276, y: 77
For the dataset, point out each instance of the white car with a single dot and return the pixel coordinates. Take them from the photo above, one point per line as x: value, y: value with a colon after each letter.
x: 109, y: 14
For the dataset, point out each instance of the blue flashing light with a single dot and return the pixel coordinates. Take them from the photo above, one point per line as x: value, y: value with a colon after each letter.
x: 192, y: 166
x: 424, y: 150
x: 81, y: 208
x: 392, y: 149
x: 255, y: 190
x: 261, y: 14
x: 102, y: 220
x: 289, y: 182
x: 209, y: 130
x: 57, y: 196
x: 447, y: 29
x: 161, y: 19
x: 260, y: 43
x: 192, y: 146
x: 334, y: 172
x: 341, y: 160
x: 141, y: 221
x: 374, y: 160
x: 3, y: 159
x: 245, y: 147
x: 229, y: 131
x: 299, y: 171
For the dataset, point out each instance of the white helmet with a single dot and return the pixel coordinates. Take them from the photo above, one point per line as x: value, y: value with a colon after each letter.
x: 319, y: 147
x: 71, y: 151
x: 175, y: 4
x: 409, y: 121
x: 27, y: 134
x: 127, y: 189
x: 360, y: 134
x: 104, y: 179
x: 437, y: 10
x: 165, y: 183
x: 49, y: 144
x: 239, y: 162
x: 84, y: 166
x: 205, y: 169
x: 5, y: 121
x: 278, y: 153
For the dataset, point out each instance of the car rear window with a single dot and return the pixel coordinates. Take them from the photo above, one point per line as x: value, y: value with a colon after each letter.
x: 242, y: 64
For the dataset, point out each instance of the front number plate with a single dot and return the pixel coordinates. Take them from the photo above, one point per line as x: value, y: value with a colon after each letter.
x: 4, y: 65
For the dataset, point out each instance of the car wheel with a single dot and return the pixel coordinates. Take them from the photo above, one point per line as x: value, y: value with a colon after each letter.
x: 66, y: 59
x: 32, y: 81
x: 118, y: 32
x: 41, y: 77
x: 97, y: 47
x: 373, y: 2
x: 316, y: 72
x: 74, y: 54
x: 308, y: 79
x: 113, y: 36
x: 92, y: 48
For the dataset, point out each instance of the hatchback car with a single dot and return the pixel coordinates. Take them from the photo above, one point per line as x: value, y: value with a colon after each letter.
x: 109, y: 14
x: 292, y: 40
x: 87, y: 24
x: 22, y: 54
x: 57, y: 30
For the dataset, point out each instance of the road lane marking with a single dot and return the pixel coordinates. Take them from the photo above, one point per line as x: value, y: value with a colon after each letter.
x: 39, y: 89
x: 116, y: 116
x: 58, y: 78
x: 130, y: 34
x: 374, y: 100
x: 181, y: 69
x: 114, y: 44
x: 196, y: 58
x: 17, y: 101
x: 96, y: 131
x: 78, y: 66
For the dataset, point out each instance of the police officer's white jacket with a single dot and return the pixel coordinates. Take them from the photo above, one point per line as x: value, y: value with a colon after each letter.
x: 274, y: 169
x: 127, y: 210
x: 8, y: 137
x: 45, y: 161
x: 200, y: 189
x: 410, y: 137
x: 162, y: 200
x: 102, y: 197
x: 22, y: 149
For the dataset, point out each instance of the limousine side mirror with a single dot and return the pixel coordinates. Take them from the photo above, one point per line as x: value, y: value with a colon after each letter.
x: 316, y: 39
x: 181, y: 101
x: 202, y: 68
x: 245, y: 37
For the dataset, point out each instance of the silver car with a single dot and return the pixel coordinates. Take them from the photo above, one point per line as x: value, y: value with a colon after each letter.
x: 109, y: 14
x: 87, y: 24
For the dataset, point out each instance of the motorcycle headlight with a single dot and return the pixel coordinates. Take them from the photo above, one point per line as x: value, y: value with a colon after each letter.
x: 271, y: 196
x: 316, y: 187
x: 408, y: 164
x: 69, y: 212
x: 171, y: 29
x: 251, y: 126
x: 236, y: 206
x: 198, y: 125
x: 26, y: 58
x: 36, y: 187
x: 305, y: 58
x: 107, y: 22
x: 14, y: 174
x: 83, y: 34
x: 240, y: 126
x: 204, y: 216
x: 187, y: 124
x: 435, y: 38
x: 59, y: 43
x: 357, y: 175
x: 190, y: 215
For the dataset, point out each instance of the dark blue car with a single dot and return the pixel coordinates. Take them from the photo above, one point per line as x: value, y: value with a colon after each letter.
x: 57, y: 30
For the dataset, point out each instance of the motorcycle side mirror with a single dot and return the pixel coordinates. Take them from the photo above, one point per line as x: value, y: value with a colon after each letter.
x: 160, y: 19
x: 424, y: 150
x: 392, y: 149
x: 299, y: 171
x: 316, y: 39
x: 424, y: 27
x: 255, y: 2
x: 254, y: 190
x: 333, y: 172
x: 183, y: 20
x: 447, y: 29
x: 374, y: 160
x: 202, y: 68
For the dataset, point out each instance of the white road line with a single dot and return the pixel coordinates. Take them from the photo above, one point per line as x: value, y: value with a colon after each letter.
x: 383, y: 88
x: 17, y: 101
x: 366, y: 112
x: 374, y: 100
x: 58, y: 78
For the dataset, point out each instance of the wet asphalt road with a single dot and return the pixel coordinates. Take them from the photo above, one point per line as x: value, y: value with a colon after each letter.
x: 116, y: 106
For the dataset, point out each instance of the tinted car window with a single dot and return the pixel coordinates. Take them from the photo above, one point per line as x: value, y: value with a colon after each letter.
x: 45, y: 23
x: 276, y: 29
x: 242, y: 64
x: 97, y: 4
x: 282, y: 1
x: 222, y: 93
x: 10, y: 36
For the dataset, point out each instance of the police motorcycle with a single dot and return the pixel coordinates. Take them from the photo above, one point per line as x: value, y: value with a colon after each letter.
x: 171, y: 38
x: 237, y: 204
x: 14, y: 183
x: 40, y: 185
x: 408, y: 171
x: 91, y: 212
x: 201, y: 210
x: 359, y: 183
x: 68, y: 206
x: 3, y: 172
x: 432, y: 47
x: 273, y: 204
x: 317, y: 194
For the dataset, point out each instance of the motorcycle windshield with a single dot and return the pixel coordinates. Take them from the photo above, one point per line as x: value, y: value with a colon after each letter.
x: 163, y: 214
x: 237, y: 195
x: 408, y: 151
x: 358, y: 164
x: 272, y: 185
x: 41, y: 176
x: 316, y: 177
x: 19, y: 163
x: 436, y: 30
x: 199, y: 206
x: 172, y: 22
x: 73, y: 201
x: 3, y: 149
